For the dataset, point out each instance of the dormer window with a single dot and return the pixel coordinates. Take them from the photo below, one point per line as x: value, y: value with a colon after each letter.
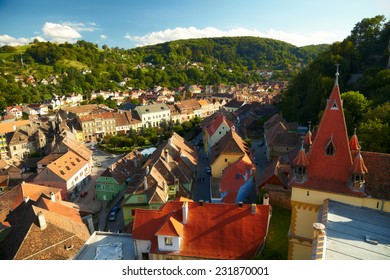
x: 334, y: 106
x: 330, y: 149
x: 168, y: 241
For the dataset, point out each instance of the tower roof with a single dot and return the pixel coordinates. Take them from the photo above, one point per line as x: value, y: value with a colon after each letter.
x: 358, y: 166
x: 354, y: 143
x: 301, y: 159
x: 330, y: 156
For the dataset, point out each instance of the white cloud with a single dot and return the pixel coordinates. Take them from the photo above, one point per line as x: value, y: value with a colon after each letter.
x: 103, y: 37
x: 79, y: 26
x: 193, y: 32
x: 60, y: 32
x: 11, y: 41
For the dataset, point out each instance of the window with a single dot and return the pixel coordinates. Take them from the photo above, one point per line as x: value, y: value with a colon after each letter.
x: 132, y: 212
x: 330, y: 149
x: 225, y: 159
x: 168, y: 241
x: 334, y: 106
x: 140, y: 199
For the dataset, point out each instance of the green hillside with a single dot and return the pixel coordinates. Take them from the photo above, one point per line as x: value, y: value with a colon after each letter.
x: 84, y: 67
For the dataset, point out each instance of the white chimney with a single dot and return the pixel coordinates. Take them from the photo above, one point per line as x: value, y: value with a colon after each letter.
x: 14, y: 127
x: 41, y: 220
x: 145, y: 183
x: 26, y: 199
x: 185, y: 212
x: 266, y: 199
x: 164, y: 185
x: 253, y: 208
x: 166, y: 154
x: 170, y: 141
x: 319, y: 228
x: 52, y: 196
x: 147, y: 170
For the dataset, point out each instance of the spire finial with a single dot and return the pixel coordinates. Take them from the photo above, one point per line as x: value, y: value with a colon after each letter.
x: 354, y: 132
x: 337, y: 74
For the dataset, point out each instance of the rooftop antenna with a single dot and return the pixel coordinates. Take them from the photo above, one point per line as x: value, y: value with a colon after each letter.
x: 337, y: 74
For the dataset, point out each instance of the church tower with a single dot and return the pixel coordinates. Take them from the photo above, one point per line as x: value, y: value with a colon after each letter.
x: 326, y: 167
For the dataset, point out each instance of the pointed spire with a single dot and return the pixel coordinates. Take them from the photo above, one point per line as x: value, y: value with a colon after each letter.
x: 307, y: 140
x: 358, y: 166
x: 354, y: 142
x: 337, y: 75
x: 301, y: 159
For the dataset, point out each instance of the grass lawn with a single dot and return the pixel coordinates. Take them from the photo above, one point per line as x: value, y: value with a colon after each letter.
x: 276, y: 246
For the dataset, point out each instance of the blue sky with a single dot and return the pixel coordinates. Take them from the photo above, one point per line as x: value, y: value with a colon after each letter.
x: 132, y: 23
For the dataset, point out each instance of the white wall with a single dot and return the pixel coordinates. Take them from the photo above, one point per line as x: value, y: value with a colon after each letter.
x: 171, y: 248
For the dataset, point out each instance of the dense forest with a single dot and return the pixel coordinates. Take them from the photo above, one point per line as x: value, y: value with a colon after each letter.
x: 84, y: 67
x: 363, y: 58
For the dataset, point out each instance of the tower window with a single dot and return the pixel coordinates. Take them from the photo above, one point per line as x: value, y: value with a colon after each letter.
x: 330, y: 149
x: 334, y: 106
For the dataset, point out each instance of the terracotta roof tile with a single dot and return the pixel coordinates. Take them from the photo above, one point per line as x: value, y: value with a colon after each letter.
x: 354, y: 143
x: 213, y: 231
x: 67, y: 165
x: 235, y: 175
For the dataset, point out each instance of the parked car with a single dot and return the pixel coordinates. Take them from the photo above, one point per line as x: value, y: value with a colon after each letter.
x: 84, y: 194
x: 112, y: 156
x: 113, y: 212
x: 261, y: 143
x: 208, y: 170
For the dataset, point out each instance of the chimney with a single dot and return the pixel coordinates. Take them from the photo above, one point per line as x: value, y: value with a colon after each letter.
x: 201, y: 202
x: 266, y: 199
x: 26, y: 199
x: 253, y: 208
x: 166, y: 154
x: 319, y: 228
x: 52, y: 196
x: 41, y: 220
x: 240, y: 204
x: 147, y: 170
x: 185, y: 212
x: 164, y: 185
x: 145, y: 183
x: 170, y: 141
x: 14, y: 127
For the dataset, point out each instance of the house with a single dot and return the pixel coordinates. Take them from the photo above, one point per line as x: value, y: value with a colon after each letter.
x: 188, y: 109
x: 152, y: 115
x: 82, y: 110
x: 36, y: 109
x: 5, y: 128
x: 96, y: 126
x: 168, y: 173
x: 206, y: 108
x: 214, y: 128
x: 237, y: 182
x: 334, y: 168
x: 228, y: 150
x: 114, y: 179
x: 233, y: 105
x: 11, y: 199
x: 184, y: 229
x: 26, y: 140
x: 69, y: 172
x: 35, y: 233
x: 15, y: 111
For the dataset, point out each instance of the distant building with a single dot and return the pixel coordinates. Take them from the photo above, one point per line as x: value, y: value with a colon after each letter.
x: 153, y: 115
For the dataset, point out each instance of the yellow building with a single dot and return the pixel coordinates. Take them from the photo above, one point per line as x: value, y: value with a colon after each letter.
x: 228, y: 150
x: 333, y: 168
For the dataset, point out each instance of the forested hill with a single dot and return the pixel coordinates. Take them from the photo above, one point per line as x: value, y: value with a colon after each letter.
x: 364, y: 83
x: 84, y: 67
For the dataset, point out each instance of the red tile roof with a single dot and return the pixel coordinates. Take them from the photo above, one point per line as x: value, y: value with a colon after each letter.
x: 213, y: 231
x: 235, y: 175
x: 214, y: 124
